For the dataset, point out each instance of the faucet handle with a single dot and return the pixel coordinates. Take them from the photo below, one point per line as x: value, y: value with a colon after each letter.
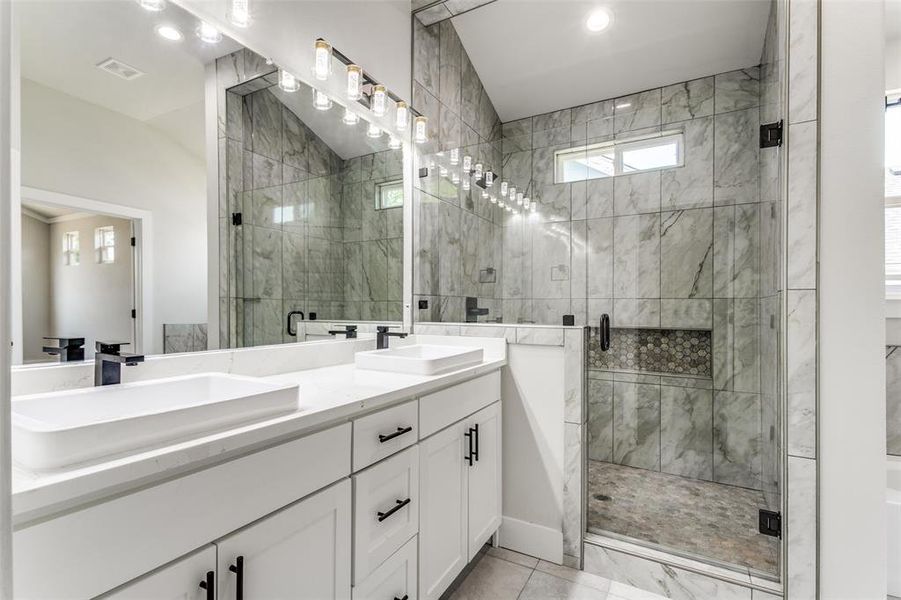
x: 66, y: 342
x: 110, y: 347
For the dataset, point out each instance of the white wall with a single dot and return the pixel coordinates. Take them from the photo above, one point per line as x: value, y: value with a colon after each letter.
x: 91, y: 300
x: 893, y: 64
x: 77, y: 148
x: 533, y: 393
x: 852, y: 326
x: 35, y: 287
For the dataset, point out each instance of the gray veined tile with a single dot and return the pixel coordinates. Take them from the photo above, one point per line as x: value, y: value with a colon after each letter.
x: 634, y: 194
x: 737, y: 90
x: 736, y: 169
x: 433, y: 14
x: 266, y: 172
x: 600, y: 258
x: 736, y: 434
x: 600, y: 420
x: 687, y: 100
x: 803, y: 67
x: 636, y: 266
x: 801, y: 528
x: 572, y: 489
x: 686, y: 250
x: 637, y: 111
x: 686, y: 314
x: 893, y: 399
x: 450, y: 74
x: 591, y: 112
x: 493, y: 578
x: 802, y: 205
x: 686, y: 435
x: 542, y: 586
x: 636, y: 423
x: 266, y: 111
x: 551, y: 260
x: 801, y: 372
x: 746, y: 339
x: 599, y: 198
x: 267, y: 262
x: 691, y: 186
x: 635, y: 312
x: 425, y: 56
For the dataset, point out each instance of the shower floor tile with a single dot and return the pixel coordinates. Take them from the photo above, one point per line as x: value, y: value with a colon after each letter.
x: 688, y: 516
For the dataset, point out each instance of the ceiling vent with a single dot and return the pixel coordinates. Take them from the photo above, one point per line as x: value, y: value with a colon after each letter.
x: 119, y: 69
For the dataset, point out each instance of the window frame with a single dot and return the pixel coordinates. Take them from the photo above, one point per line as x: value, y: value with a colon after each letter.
x: 892, y: 292
x: 379, y: 186
x: 71, y: 252
x: 101, y: 246
x: 620, y: 146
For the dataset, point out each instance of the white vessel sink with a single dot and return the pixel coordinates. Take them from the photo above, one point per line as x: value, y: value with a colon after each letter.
x: 58, y: 429
x: 419, y: 359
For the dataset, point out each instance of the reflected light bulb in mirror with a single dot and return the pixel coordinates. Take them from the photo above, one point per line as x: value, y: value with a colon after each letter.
x: 519, y: 198
x: 287, y: 82
x: 467, y: 164
x: 455, y: 178
x: 484, y: 195
x: 489, y: 179
x: 478, y: 171
x: 373, y: 131
x: 350, y: 118
x: 533, y: 206
x: 152, y: 5
x: 322, y: 60
x: 239, y: 13
x: 394, y: 143
x: 321, y: 101
x: 354, y: 82
x: 419, y: 130
x: 379, y: 104
x: 207, y: 33
x: 512, y: 192
x: 503, y: 189
x: 466, y: 183
x: 455, y: 156
x: 402, y: 117
x: 169, y: 32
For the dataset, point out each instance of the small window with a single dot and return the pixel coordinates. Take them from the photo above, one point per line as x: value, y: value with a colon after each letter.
x: 620, y: 157
x: 389, y: 194
x: 70, y: 248
x: 105, y: 244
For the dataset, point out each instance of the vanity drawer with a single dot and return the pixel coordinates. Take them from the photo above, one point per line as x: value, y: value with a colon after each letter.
x: 394, y: 578
x: 381, y: 434
x: 386, y: 510
x: 438, y: 410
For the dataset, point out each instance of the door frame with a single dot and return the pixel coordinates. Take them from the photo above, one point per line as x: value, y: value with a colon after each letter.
x: 142, y: 221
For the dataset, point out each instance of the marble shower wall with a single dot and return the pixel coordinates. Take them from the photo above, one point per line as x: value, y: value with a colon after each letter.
x: 457, y: 243
x: 893, y: 399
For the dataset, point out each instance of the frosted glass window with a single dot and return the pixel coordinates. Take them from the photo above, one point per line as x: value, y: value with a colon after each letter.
x: 389, y: 194
x: 105, y: 244
x: 620, y: 157
x: 71, y: 251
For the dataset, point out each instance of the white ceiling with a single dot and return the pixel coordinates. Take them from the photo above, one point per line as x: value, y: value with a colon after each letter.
x: 63, y: 40
x: 535, y: 56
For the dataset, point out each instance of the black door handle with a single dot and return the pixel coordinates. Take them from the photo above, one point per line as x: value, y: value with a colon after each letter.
x: 400, y: 504
x: 238, y: 570
x: 468, y: 436
x: 475, y: 453
x: 400, y: 431
x: 605, y: 332
x: 209, y: 584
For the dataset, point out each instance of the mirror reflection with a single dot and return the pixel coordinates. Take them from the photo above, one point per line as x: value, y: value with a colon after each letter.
x: 182, y: 193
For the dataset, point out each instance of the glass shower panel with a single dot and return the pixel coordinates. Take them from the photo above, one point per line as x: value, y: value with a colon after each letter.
x: 684, y: 407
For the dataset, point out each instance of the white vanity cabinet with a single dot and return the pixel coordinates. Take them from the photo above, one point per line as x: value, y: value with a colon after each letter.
x: 190, y: 578
x: 300, y: 552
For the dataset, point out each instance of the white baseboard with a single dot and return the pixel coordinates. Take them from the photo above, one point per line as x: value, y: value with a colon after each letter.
x: 532, y: 539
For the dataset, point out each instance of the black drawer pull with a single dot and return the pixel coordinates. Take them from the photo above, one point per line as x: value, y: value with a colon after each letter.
x: 400, y: 504
x: 468, y: 436
x: 238, y: 569
x: 475, y: 453
x: 209, y: 584
x: 406, y: 596
x: 400, y: 431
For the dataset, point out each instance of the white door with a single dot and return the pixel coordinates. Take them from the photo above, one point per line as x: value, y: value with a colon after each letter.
x: 300, y: 552
x: 484, y: 476
x: 191, y: 578
x: 442, y: 510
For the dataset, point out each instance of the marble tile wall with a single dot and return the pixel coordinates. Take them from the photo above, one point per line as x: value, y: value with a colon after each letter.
x: 893, y: 399
x: 457, y: 243
x: 184, y: 337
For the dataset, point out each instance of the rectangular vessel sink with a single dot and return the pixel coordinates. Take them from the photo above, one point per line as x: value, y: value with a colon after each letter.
x: 58, y: 429
x: 419, y: 359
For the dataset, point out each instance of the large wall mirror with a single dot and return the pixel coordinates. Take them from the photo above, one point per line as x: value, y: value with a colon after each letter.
x: 182, y: 193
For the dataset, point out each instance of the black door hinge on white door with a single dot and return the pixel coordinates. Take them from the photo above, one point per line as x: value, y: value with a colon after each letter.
x: 770, y: 523
x: 771, y: 135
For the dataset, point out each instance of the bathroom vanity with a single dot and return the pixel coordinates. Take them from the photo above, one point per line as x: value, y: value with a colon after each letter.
x: 380, y: 485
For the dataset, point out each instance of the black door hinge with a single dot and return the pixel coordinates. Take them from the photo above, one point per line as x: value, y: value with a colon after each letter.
x: 771, y: 135
x: 770, y: 523
x: 237, y: 219
x: 134, y: 241
x: 134, y: 314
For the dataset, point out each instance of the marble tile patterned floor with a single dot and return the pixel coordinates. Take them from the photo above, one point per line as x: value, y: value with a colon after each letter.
x: 501, y: 574
x: 698, y: 518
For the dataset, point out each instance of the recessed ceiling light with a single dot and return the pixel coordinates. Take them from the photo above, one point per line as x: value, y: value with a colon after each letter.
x: 152, y: 5
x: 598, y: 20
x: 207, y: 33
x: 169, y: 32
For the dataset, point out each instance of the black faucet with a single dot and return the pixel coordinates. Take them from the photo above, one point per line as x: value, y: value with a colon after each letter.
x: 69, y: 349
x: 382, y: 334
x: 108, y: 361
x: 350, y: 331
x: 473, y: 312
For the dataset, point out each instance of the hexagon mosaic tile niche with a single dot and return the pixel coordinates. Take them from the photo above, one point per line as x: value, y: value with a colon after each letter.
x: 670, y: 351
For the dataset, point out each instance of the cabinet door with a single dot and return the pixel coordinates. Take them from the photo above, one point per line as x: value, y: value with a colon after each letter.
x: 300, y: 552
x: 394, y: 578
x: 180, y: 580
x: 484, y: 428
x: 442, y: 510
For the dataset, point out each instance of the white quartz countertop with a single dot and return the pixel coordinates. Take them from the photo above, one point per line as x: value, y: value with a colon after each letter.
x: 328, y: 396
